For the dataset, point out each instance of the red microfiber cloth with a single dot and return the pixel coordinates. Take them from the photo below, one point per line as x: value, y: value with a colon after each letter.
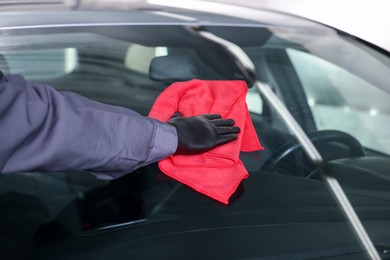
x: 218, y: 172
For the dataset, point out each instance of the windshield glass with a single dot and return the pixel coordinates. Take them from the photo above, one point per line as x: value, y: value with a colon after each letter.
x: 335, y: 88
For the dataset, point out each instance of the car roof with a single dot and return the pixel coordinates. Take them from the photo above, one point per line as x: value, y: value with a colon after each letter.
x: 67, y: 12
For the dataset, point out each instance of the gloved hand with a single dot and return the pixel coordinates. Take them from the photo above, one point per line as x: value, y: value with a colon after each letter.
x: 198, y: 134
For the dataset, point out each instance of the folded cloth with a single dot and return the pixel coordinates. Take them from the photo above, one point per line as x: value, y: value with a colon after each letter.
x: 216, y: 173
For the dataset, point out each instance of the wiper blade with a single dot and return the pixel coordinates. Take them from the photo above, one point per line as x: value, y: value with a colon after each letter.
x: 248, y: 68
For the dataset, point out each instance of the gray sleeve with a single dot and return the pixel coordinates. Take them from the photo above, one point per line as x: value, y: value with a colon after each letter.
x: 48, y: 130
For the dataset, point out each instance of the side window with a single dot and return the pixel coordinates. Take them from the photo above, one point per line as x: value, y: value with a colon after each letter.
x: 41, y: 64
x: 254, y: 101
x: 343, y: 101
x: 138, y: 57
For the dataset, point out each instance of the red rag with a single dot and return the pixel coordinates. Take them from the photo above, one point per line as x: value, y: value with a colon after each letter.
x: 216, y: 173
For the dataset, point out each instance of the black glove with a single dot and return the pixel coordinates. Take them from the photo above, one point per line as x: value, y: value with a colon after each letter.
x: 198, y: 134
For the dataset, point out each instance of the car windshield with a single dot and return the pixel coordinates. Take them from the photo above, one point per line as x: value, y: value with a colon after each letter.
x: 333, y: 85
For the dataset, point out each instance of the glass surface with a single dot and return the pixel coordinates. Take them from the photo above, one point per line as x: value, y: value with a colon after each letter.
x: 327, y: 82
x: 344, y: 101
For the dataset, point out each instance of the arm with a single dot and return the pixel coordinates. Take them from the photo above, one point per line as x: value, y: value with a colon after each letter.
x: 44, y: 129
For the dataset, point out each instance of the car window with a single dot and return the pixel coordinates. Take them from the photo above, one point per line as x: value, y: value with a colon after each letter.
x: 341, y: 100
x: 139, y: 57
x: 283, y: 198
x: 44, y: 64
x: 254, y: 101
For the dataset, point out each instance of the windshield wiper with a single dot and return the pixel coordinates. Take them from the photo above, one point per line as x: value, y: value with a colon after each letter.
x: 247, y: 67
